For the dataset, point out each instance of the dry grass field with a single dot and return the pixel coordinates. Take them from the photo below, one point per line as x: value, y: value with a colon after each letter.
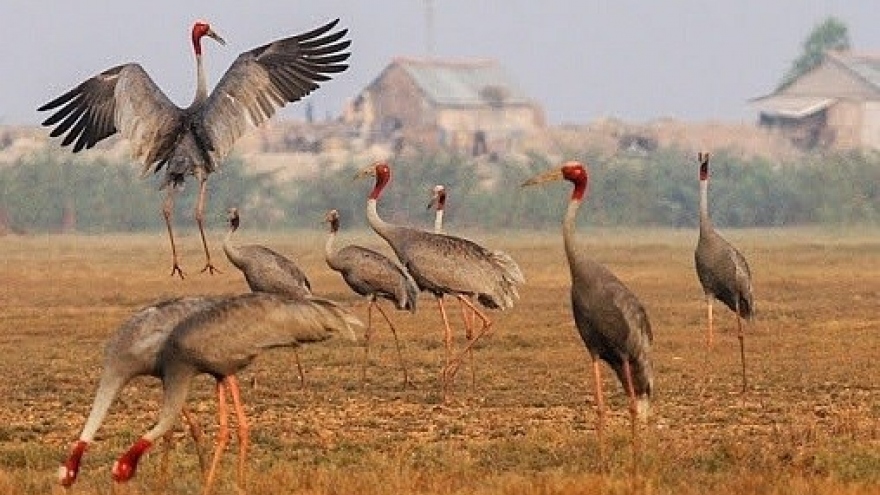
x: 809, y: 424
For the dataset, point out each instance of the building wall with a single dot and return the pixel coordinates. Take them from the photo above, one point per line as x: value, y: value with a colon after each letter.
x: 844, y: 120
x: 871, y: 125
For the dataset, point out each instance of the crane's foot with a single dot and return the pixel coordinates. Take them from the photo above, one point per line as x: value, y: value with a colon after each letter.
x: 175, y: 270
x: 209, y: 267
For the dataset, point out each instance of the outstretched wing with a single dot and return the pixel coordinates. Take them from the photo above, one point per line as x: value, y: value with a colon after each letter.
x: 125, y: 99
x: 266, y: 78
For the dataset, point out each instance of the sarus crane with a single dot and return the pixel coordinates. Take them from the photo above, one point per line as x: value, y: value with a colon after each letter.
x: 610, y: 319
x: 131, y: 352
x: 266, y: 270
x: 444, y: 264
x: 373, y: 275
x: 438, y: 203
x: 723, y: 271
x: 220, y: 341
x: 194, y: 140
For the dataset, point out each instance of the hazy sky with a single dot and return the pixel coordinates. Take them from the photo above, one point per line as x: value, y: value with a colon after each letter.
x: 637, y: 60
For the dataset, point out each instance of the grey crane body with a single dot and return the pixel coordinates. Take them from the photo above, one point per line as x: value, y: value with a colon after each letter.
x: 724, y: 272
x: 131, y: 352
x: 612, y: 322
x: 223, y: 339
x: 370, y: 273
x: 194, y: 140
x: 610, y: 319
x: 449, y: 265
x: 264, y: 269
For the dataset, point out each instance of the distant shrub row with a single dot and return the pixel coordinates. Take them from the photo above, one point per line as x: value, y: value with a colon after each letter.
x: 49, y: 191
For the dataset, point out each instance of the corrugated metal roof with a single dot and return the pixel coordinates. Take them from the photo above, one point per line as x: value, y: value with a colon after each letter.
x: 793, y: 107
x: 463, y: 83
x: 865, y: 66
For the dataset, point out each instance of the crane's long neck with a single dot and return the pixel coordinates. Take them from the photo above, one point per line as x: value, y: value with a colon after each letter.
x: 232, y: 252
x: 438, y: 221
x: 201, y: 79
x: 568, y: 225
x: 705, y: 221
x: 329, y: 250
x: 380, y: 226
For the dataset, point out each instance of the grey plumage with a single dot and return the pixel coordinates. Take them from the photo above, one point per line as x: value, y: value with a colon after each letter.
x: 131, y: 352
x: 610, y: 319
x: 264, y: 269
x: 444, y: 264
x: 373, y: 275
x: 194, y: 140
x: 222, y: 340
x: 723, y: 271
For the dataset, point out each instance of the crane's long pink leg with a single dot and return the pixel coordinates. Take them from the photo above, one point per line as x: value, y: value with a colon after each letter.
x: 222, y: 436
x: 200, y: 220
x: 469, y: 317
x: 368, y: 333
x: 243, y: 430
x: 633, y: 413
x: 299, y: 369
x: 168, y: 212
x: 484, y: 330
x: 197, y: 436
x: 600, y: 411
x: 447, y: 341
x: 742, y: 345
x: 406, y: 380
x: 710, y: 337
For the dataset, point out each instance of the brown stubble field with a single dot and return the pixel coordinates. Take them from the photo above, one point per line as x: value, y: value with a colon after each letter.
x: 809, y: 424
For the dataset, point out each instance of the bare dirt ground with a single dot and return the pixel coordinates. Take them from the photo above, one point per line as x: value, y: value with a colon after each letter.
x: 810, y: 422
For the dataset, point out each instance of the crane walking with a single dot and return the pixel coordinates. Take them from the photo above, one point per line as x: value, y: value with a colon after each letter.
x: 266, y: 271
x: 723, y: 271
x: 372, y: 274
x: 194, y: 140
x: 445, y: 264
x: 438, y: 203
x: 221, y: 340
x: 131, y: 352
x: 610, y: 319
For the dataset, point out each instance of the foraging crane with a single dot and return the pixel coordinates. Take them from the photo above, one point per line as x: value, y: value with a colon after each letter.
x: 610, y: 319
x: 438, y: 202
x: 372, y: 274
x: 445, y: 264
x: 723, y: 271
x: 194, y: 140
x: 131, y: 352
x: 222, y: 340
x: 266, y: 271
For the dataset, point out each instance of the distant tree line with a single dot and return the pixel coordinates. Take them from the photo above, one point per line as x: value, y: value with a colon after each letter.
x: 50, y: 192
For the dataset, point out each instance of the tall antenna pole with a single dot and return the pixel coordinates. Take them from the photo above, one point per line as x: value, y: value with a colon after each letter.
x: 429, y: 28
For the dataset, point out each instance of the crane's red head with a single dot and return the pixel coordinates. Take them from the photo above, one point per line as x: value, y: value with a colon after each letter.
x: 574, y: 172
x: 381, y: 171
x: 438, y: 197
x: 703, y: 158
x: 201, y: 29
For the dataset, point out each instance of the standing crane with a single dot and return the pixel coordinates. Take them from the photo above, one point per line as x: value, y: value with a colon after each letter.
x: 131, y: 352
x: 222, y: 340
x: 438, y: 202
x: 374, y: 275
x: 723, y: 271
x: 266, y: 271
x: 444, y: 264
x: 194, y: 140
x: 610, y: 319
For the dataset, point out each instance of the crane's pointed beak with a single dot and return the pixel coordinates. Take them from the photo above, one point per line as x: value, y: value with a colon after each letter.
x: 434, y: 198
x: 368, y: 171
x: 548, y: 176
x: 216, y: 37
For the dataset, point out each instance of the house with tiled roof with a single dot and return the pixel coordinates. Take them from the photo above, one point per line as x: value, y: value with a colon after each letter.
x: 834, y: 105
x: 468, y: 105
